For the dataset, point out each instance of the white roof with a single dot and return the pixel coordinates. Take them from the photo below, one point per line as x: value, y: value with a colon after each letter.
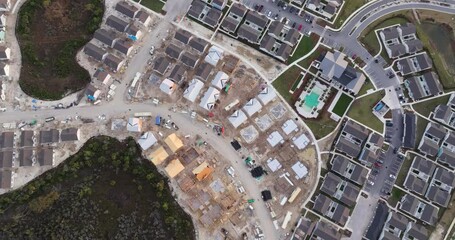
x: 167, y: 86
x: 300, y: 170
x: 274, y: 138
x: 147, y: 140
x: 267, y: 95
x: 274, y: 164
x: 252, y: 106
x: 134, y: 125
x: 289, y: 126
x: 214, y: 55
x: 220, y: 80
x: 209, y: 99
x: 193, y: 90
x: 301, y: 141
x: 237, y: 118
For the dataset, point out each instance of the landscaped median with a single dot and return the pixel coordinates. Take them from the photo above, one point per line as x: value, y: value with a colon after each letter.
x: 362, y: 111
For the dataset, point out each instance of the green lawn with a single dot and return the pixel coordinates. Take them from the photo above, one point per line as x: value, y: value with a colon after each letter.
x: 362, y: 110
x: 426, y: 107
x: 420, y: 128
x: 307, y: 43
x: 368, y: 36
x: 395, y: 196
x: 349, y: 7
x: 321, y: 126
x: 285, y: 81
x: 404, y: 170
x: 154, y: 5
x: 307, y: 61
x: 365, y: 87
x: 342, y: 105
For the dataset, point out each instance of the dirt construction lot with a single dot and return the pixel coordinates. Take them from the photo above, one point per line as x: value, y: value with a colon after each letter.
x: 50, y: 33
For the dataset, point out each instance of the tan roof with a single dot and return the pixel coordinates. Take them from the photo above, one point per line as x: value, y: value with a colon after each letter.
x: 204, y: 173
x: 200, y: 168
x: 173, y: 142
x: 174, y: 168
x: 158, y: 156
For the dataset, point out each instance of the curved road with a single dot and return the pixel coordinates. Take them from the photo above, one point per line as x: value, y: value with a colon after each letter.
x: 345, y: 37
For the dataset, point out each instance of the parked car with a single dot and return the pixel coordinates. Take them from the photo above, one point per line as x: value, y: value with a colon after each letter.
x: 300, y: 27
x: 260, y: 8
x: 293, y: 25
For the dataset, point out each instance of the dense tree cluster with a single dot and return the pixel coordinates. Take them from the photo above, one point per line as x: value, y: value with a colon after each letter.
x: 105, y: 191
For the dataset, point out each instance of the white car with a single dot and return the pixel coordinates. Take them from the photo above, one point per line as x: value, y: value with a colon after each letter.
x: 152, y: 50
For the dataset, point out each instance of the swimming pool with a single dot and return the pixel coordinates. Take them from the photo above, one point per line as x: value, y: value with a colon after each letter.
x: 312, y: 100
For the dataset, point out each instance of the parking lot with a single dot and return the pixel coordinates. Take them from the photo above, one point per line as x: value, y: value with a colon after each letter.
x: 388, y: 165
x: 281, y: 11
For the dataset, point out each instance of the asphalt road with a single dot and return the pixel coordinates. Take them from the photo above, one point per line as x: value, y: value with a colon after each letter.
x: 344, y: 38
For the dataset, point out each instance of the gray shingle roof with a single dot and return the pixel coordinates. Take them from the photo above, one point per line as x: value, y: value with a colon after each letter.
x: 94, y: 52
x: 198, y: 44
x: 409, y: 130
x: 27, y: 138
x: 112, y: 61
x: 203, y: 71
x: 126, y: 9
x: 5, y: 179
x: 173, y: 51
x: 178, y: 73
x: 116, y: 23
x: 49, y: 136
x: 183, y: 36
x: 161, y: 64
x: 105, y: 36
x: 69, y: 134
x: 7, y: 140
x: 26, y: 157
x: 123, y: 46
x: 45, y: 156
x: 6, y: 159
x: 189, y: 59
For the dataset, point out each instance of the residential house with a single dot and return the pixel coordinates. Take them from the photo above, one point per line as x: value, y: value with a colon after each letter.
x: 409, y: 135
x: 445, y: 115
x: 4, y: 69
x: 418, y: 209
x: 126, y: 9
x: 7, y: 140
x: 349, y: 170
x: 209, y: 99
x: 70, y: 134
x: 27, y: 138
x: 198, y: 44
x: 423, y: 86
x: 133, y: 31
x: 5, y: 5
x: 256, y: 21
x: 49, y: 136
x: 103, y: 76
x: 446, y: 153
x: 252, y: 106
x: 189, y: 59
x: 416, y: 231
x: 5, y: 53
x: 234, y: 17
x: 433, y: 135
x: 193, y: 90
x: 220, y: 80
x: 107, y: 37
x: 123, y: 46
x: 147, y: 140
x: 134, y: 125
x: 344, y: 191
x: 143, y: 17
x: 203, y: 71
x: 95, y: 52
x: 161, y: 64
x: 303, y: 229
x: 113, y: 62
x: 6, y: 179
x: 331, y: 209
x: 351, y: 138
x: 266, y: 95
x: 395, y: 225
x: 219, y: 4
x: 214, y: 55
x: 116, y: 23
x: 45, y: 156
x: 248, y: 33
x: 326, y: 231
x: 173, y: 51
x: 6, y: 159
x: 196, y: 9
x: 183, y: 36
x: 178, y: 73
x: 212, y: 17
x: 237, y: 118
x: 414, y: 64
x: 168, y: 86
x: 26, y: 158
